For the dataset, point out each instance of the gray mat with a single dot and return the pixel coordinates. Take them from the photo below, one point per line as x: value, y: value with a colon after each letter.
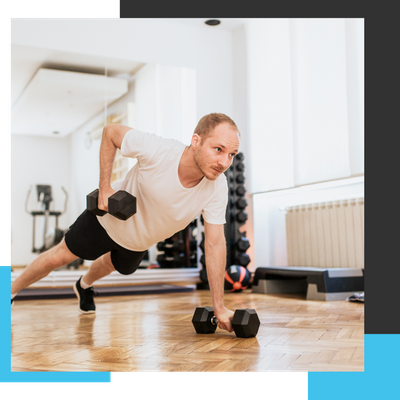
x: 66, y: 293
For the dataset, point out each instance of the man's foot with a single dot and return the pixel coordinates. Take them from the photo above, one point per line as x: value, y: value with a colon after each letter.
x: 85, y: 297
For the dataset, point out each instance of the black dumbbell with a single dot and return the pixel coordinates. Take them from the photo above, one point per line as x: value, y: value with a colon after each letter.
x: 178, y: 245
x: 242, y: 259
x: 240, y: 190
x: 242, y: 244
x: 240, y: 167
x: 245, y: 321
x: 121, y: 205
x: 179, y: 259
x: 240, y: 178
x: 239, y: 157
x: 241, y: 216
x: 241, y: 203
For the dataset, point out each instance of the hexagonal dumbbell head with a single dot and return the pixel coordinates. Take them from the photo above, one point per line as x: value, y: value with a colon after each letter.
x: 245, y: 323
x: 242, y: 244
x: 92, y: 202
x: 202, y: 320
x: 122, y: 205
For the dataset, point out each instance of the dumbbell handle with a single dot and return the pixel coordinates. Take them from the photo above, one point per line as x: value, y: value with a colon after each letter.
x: 214, y: 320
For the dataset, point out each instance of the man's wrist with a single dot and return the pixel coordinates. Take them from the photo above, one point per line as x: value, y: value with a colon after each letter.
x: 104, y: 186
x: 218, y: 308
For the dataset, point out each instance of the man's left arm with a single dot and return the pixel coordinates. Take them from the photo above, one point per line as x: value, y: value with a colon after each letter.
x: 215, y: 255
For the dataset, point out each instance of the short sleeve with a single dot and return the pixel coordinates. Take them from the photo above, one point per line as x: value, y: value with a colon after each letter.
x: 140, y: 145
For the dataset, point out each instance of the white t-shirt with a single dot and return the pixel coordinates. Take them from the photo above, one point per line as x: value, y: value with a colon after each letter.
x: 164, y: 205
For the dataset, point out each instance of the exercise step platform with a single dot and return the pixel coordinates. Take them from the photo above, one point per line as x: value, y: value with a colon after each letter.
x: 318, y: 283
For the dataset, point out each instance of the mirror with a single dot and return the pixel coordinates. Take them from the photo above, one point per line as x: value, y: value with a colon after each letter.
x: 60, y: 104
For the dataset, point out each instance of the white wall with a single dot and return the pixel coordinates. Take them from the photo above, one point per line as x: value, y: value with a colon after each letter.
x: 270, y: 102
x: 320, y: 107
x: 165, y: 101
x: 355, y: 92
x: 305, y: 95
x: 270, y: 224
x: 36, y: 160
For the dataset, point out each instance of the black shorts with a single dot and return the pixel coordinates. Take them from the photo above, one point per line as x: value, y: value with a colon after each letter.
x: 87, y: 239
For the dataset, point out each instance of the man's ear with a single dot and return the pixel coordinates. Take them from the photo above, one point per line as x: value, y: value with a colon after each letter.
x: 196, y: 141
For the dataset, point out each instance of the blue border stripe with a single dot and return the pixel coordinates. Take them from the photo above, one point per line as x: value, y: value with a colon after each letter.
x: 5, y: 348
x: 380, y: 378
x: 5, y: 331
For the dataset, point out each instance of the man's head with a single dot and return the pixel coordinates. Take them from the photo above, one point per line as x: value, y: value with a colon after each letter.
x: 215, y: 143
x: 210, y: 121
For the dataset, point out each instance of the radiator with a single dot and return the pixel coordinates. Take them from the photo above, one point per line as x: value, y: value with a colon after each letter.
x: 326, y: 235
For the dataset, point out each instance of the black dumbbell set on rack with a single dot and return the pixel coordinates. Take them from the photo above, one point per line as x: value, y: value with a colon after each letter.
x: 236, y: 216
x: 180, y: 250
x: 237, y: 242
x: 173, y: 255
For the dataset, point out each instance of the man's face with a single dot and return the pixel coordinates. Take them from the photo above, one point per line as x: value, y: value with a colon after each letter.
x: 214, y: 154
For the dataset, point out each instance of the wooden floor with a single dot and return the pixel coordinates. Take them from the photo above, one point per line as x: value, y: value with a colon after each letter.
x: 155, y: 333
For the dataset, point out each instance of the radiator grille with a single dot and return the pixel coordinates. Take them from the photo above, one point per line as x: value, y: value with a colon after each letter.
x: 326, y: 235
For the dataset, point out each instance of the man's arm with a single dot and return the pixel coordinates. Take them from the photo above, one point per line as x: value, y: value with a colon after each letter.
x: 110, y: 141
x: 215, y: 255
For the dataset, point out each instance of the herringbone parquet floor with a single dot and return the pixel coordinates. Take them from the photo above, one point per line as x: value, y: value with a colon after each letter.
x: 155, y: 333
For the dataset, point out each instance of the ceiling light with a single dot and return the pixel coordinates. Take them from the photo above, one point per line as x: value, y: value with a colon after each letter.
x: 213, y: 22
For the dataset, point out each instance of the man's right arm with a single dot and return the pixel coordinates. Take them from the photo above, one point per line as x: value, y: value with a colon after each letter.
x: 111, y: 141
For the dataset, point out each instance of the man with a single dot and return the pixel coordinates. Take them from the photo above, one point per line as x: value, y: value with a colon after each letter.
x: 173, y: 184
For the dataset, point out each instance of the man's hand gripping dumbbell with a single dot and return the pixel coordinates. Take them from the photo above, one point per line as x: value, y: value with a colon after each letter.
x: 121, y: 204
x: 245, y: 321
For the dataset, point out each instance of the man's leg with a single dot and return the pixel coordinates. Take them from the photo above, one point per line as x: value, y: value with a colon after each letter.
x: 99, y: 269
x: 45, y: 263
x: 83, y: 289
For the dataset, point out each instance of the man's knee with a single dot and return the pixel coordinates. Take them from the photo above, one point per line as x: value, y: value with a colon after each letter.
x: 60, y: 255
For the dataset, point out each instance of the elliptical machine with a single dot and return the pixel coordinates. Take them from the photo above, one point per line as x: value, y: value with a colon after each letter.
x: 51, y: 237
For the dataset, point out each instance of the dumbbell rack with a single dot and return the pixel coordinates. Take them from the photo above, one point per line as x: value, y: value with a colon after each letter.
x: 171, y: 255
x: 237, y: 242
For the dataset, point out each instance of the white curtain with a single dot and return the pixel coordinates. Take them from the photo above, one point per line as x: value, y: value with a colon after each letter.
x: 305, y: 86
x: 165, y: 98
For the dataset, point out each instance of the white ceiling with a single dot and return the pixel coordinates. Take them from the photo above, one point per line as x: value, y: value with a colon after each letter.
x: 58, y: 102
x: 228, y: 24
x: 36, y: 112
x: 40, y: 108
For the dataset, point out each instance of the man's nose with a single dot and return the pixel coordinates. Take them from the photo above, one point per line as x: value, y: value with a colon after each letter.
x: 225, y: 162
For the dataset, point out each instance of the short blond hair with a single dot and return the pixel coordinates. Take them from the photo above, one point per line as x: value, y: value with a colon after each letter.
x: 210, y: 121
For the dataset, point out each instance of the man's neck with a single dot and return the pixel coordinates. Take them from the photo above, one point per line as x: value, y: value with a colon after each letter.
x: 188, y: 172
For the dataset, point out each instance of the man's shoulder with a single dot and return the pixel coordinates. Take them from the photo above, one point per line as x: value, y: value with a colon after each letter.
x: 220, y: 184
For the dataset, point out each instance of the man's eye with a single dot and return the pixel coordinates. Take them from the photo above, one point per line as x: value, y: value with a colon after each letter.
x: 218, y: 149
